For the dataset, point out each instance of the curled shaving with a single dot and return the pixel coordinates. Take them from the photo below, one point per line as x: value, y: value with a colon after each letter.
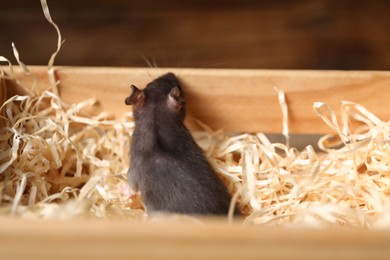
x: 50, y: 64
x: 284, y: 107
x: 21, y: 64
x: 345, y: 184
x: 52, y: 152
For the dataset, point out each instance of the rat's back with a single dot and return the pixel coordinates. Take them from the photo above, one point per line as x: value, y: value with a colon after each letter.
x: 167, y: 165
x: 183, y: 184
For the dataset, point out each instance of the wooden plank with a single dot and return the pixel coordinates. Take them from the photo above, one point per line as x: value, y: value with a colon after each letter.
x: 235, y: 100
x: 81, y: 239
x: 319, y: 34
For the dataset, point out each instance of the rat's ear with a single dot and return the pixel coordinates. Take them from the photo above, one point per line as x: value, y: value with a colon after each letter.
x: 137, y: 96
x: 176, y: 99
x: 175, y: 92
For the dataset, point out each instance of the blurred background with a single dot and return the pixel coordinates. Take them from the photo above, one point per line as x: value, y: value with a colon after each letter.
x: 307, y: 34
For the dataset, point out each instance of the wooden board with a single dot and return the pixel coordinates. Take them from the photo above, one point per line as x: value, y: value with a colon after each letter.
x: 320, y: 34
x: 238, y: 100
x: 235, y: 100
x: 82, y: 239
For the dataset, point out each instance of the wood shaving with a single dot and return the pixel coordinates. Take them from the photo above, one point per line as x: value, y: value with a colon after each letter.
x: 57, y: 161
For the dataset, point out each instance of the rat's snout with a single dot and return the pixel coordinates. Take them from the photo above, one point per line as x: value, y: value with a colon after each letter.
x: 169, y: 76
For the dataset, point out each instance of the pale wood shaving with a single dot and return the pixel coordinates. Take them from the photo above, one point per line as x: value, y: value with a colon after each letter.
x: 57, y: 161
x: 53, y: 153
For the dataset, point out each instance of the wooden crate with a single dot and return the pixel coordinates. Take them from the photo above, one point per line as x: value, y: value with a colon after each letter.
x: 235, y: 100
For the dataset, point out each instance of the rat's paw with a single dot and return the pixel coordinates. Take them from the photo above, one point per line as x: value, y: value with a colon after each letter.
x: 127, y: 191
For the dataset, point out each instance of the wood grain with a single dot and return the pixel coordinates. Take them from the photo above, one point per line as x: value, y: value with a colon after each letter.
x: 238, y: 100
x: 234, y: 100
x: 306, y: 34
x: 82, y: 239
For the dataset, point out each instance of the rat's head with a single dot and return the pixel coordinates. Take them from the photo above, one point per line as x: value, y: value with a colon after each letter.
x: 163, y: 95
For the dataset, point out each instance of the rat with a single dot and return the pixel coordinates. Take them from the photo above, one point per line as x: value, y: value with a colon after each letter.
x: 166, y: 164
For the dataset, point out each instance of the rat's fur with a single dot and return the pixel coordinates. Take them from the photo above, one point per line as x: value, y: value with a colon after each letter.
x: 167, y: 166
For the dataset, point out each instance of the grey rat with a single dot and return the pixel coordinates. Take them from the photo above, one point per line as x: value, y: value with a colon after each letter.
x: 166, y: 165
